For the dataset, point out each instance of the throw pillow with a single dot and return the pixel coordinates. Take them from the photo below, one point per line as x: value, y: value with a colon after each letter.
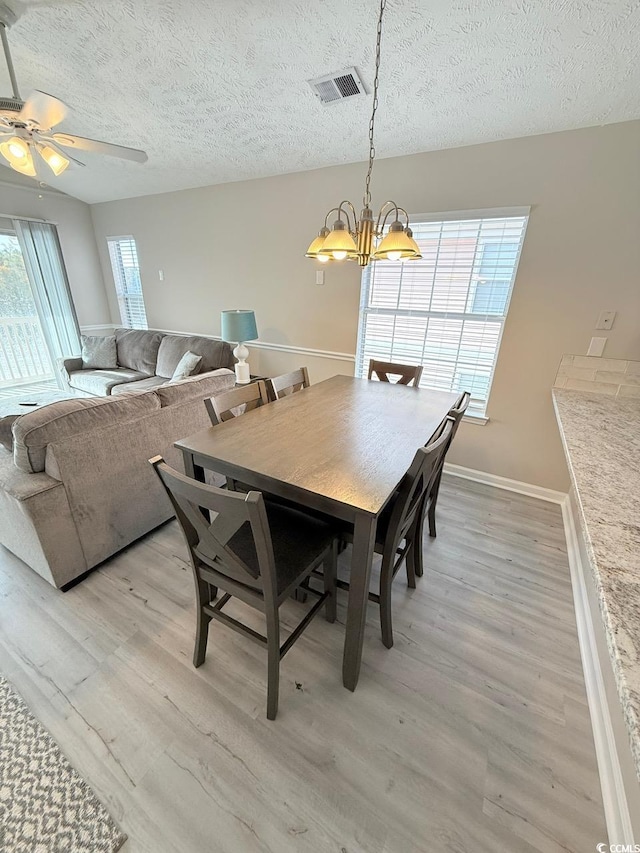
x: 98, y: 353
x: 6, y: 433
x: 187, y: 366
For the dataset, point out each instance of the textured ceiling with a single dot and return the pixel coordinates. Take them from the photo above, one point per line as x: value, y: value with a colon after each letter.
x: 216, y: 91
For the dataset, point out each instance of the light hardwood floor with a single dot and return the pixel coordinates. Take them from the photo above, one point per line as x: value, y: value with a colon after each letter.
x: 471, y: 735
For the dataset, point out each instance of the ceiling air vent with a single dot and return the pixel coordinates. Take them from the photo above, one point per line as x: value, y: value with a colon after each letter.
x: 336, y: 87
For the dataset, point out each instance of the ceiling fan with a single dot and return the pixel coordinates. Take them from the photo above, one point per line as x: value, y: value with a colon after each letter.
x: 26, y: 127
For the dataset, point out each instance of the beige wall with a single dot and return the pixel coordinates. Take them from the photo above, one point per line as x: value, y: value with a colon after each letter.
x: 242, y: 245
x: 77, y: 240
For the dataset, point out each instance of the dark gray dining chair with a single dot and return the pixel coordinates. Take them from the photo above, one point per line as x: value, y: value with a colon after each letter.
x: 236, y: 401
x: 409, y: 373
x: 396, y: 531
x: 456, y: 413
x: 255, y: 551
x: 288, y: 383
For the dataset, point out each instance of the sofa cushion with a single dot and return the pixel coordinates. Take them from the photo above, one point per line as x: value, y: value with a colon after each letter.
x: 148, y: 384
x: 34, y: 431
x: 187, y: 366
x: 215, y: 354
x: 100, y: 382
x: 200, y: 386
x: 98, y: 352
x: 138, y: 349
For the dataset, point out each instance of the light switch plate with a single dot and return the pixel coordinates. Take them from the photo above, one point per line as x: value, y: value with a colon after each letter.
x: 596, y: 347
x: 606, y: 320
x: 319, y: 276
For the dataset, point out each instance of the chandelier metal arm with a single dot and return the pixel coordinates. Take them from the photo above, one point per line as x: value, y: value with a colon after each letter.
x: 387, y: 208
x: 9, y: 61
x: 406, y: 215
x: 347, y: 203
x: 326, y: 219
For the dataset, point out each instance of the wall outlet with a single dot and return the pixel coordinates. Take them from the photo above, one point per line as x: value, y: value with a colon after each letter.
x: 319, y: 276
x: 606, y: 319
x: 596, y: 347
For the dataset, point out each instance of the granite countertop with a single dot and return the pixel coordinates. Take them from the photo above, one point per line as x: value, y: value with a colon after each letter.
x: 602, y: 442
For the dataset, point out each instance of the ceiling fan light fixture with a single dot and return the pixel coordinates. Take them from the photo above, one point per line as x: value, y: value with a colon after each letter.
x: 17, y: 153
x: 55, y: 161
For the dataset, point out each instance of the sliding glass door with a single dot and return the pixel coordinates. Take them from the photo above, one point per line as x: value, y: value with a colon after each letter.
x: 38, y: 325
x: 24, y: 355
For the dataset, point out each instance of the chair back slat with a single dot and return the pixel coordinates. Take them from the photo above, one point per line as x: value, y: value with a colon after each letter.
x: 289, y: 383
x: 237, y: 401
x: 408, y: 373
x: 416, y: 483
x: 208, y: 540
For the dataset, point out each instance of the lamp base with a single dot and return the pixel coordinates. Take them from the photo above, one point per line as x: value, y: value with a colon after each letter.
x: 243, y: 374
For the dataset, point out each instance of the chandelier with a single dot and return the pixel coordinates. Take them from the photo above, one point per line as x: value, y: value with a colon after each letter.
x: 353, y: 239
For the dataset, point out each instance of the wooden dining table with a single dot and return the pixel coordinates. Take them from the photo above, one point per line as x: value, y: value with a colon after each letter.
x: 340, y: 447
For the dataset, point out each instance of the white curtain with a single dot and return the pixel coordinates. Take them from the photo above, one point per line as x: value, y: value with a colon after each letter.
x: 48, y: 276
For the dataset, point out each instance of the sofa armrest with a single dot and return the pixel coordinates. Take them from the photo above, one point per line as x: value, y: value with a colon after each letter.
x: 69, y: 365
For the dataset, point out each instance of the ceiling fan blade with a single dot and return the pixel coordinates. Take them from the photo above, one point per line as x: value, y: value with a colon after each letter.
x: 84, y: 144
x: 43, y: 109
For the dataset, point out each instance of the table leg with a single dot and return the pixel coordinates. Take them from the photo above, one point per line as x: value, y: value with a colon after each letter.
x: 196, y: 472
x: 364, y: 539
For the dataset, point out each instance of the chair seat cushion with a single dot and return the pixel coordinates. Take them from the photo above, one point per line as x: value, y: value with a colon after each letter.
x: 100, y: 382
x: 298, y: 539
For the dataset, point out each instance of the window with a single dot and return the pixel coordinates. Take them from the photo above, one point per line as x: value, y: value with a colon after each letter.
x: 126, y: 275
x: 446, y: 311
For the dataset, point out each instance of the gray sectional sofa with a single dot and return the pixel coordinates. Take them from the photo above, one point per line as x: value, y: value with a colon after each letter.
x: 76, y: 487
x: 146, y: 360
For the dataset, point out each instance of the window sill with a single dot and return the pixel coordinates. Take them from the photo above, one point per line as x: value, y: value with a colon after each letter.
x: 478, y: 420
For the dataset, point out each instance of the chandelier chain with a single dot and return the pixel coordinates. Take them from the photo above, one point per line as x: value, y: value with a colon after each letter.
x: 372, y: 150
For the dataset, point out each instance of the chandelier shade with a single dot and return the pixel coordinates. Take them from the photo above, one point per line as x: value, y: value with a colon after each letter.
x: 362, y: 239
x: 398, y: 244
x: 339, y: 244
x: 317, y: 244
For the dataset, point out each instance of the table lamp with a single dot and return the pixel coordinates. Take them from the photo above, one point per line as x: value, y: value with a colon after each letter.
x: 239, y: 326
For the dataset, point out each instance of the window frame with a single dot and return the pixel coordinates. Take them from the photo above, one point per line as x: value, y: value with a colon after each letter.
x: 121, y: 294
x: 474, y: 415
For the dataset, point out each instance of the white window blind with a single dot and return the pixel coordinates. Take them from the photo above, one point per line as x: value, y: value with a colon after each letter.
x: 126, y: 274
x: 446, y: 311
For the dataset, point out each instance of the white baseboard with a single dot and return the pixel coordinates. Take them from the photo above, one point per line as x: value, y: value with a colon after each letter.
x: 528, y: 489
x: 614, y: 798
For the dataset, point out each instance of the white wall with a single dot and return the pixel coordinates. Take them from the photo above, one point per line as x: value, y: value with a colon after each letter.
x: 77, y: 240
x: 242, y: 245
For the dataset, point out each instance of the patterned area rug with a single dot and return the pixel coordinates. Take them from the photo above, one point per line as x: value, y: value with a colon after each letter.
x: 45, y: 807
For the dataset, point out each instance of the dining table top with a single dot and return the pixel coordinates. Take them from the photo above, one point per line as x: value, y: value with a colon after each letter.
x: 345, y: 439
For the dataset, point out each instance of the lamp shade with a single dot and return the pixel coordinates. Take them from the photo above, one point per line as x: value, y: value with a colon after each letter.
x: 238, y: 325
